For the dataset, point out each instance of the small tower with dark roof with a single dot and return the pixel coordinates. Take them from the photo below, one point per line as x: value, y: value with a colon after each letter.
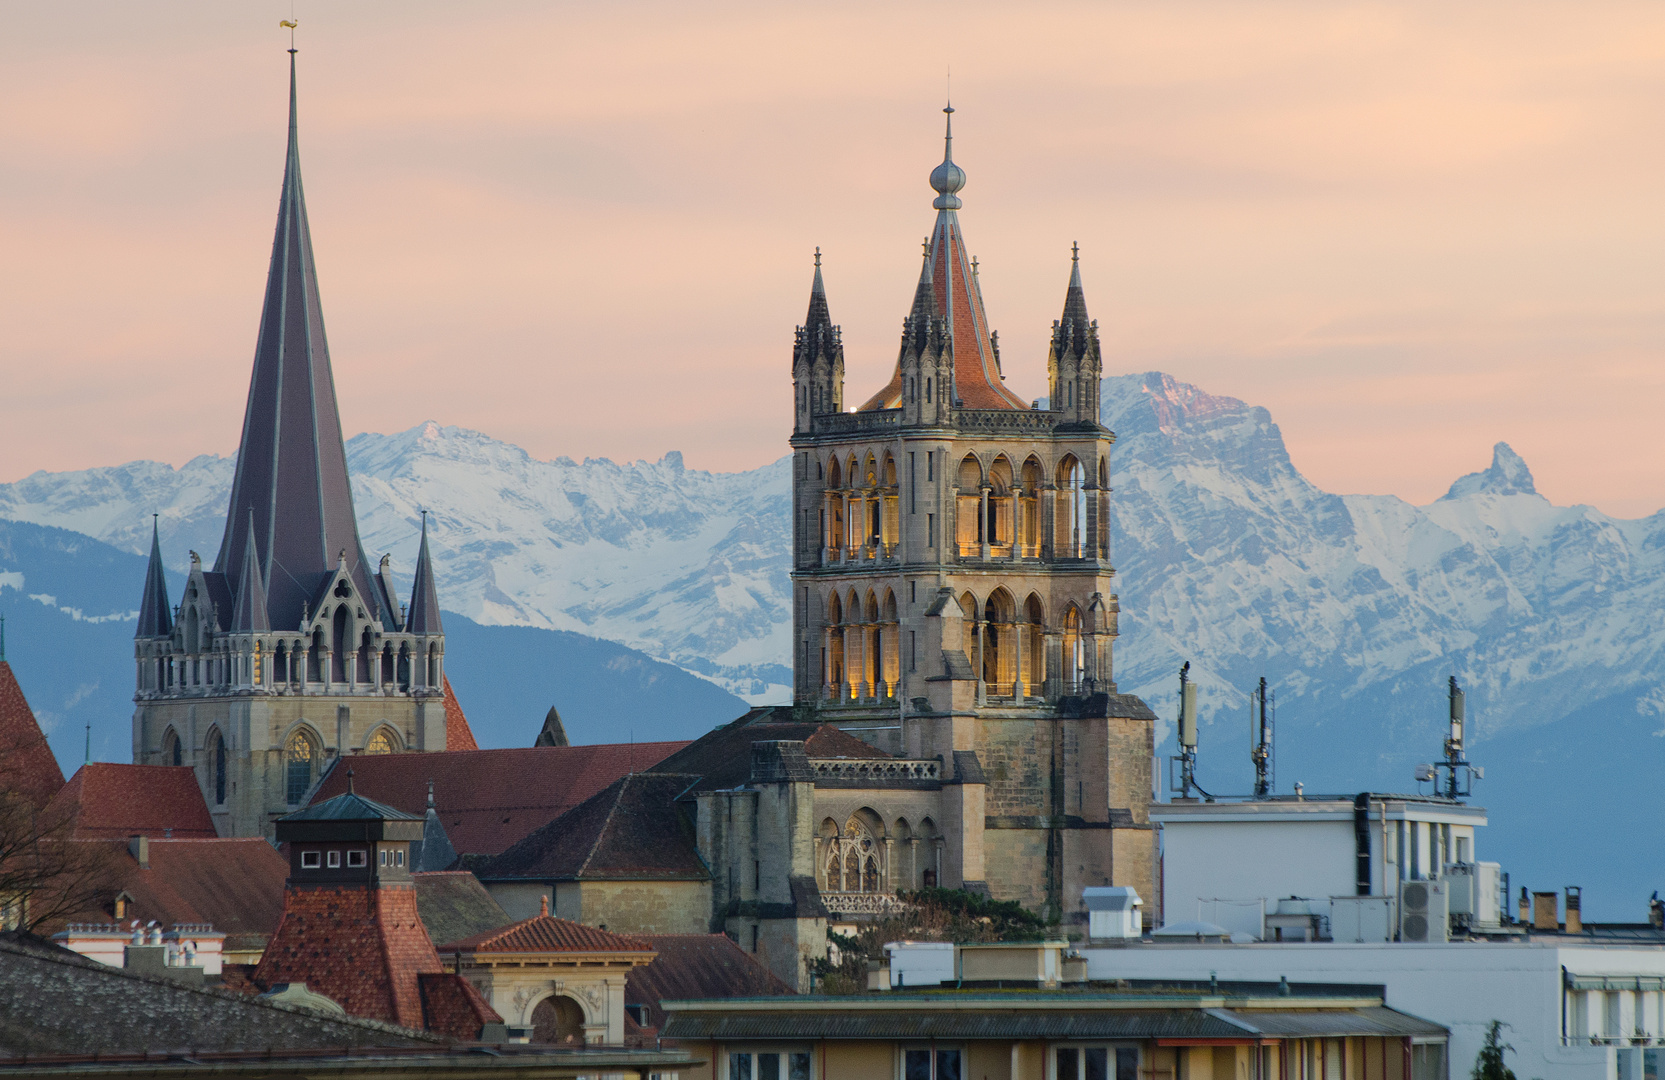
x: 292, y: 648
x: 1073, y: 363
x: 817, y: 359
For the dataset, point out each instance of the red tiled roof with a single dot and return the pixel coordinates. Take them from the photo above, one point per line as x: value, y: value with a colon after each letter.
x: 545, y: 933
x: 110, y: 801
x: 26, y: 762
x: 363, y: 948
x: 631, y: 831
x: 458, y: 735
x: 697, y: 966
x: 451, y: 1006
x: 489, y: 799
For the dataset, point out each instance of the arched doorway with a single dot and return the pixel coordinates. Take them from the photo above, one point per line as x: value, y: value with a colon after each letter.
x: 558, y: 1020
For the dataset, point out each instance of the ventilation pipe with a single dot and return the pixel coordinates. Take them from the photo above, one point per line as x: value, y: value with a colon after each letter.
x: 1361, y: 843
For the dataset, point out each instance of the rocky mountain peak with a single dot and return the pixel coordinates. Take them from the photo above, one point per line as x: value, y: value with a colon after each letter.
x: 1508, y: 475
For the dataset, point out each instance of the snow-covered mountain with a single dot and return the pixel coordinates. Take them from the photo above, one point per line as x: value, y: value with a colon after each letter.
x: 1354, y: 606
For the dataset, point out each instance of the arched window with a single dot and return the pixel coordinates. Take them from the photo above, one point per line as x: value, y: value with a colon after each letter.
x: 404, y: 667
x: 433, y: 667
x: 1071, y: 512
x: 280, y: 665
x: 340, y: 645
x: 216, y: 762
x: 854, y: 860
x: 173, y: 751
x: 365, y: 649
x: 315, y: 658
x: 557, y: 1020
x: 1074, y: 659
x: 381, y: 743
x: 299, y: 756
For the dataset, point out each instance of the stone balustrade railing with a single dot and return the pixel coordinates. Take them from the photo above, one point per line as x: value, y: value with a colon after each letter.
x: 877, y: 771
x: 861, y: 903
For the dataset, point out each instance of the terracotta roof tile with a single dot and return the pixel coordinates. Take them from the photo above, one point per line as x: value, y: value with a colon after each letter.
x: 458, y: 735
x: 363, y: 948
x: 697, y: 966
x: 545, y: 933
x: 452, y: 1006
x: 631, y: 831
x: 106, y: 800
x: 488, y: 799
x: 26, y: 761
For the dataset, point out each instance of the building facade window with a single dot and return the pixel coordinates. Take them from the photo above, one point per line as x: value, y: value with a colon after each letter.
x: 299, y: 758
x: 381, y: 743
x: 217, y: 763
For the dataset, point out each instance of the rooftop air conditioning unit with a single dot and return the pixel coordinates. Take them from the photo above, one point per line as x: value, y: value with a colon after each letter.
x: 1424, y: 911
x: 1474, y: 893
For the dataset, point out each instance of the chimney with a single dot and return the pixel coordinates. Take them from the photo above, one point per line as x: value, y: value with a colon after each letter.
x: 1545, y: 911
x: 139, y: 848
x: 1575, y: 916
x: 1656, y: 912
x: 1525, y: 907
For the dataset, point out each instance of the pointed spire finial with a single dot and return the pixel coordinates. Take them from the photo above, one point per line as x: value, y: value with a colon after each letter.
x: 544, y: 906
x: 349, y: 781
x: 1075, y: 252
x: 818, y: 257
x: 430, y: 794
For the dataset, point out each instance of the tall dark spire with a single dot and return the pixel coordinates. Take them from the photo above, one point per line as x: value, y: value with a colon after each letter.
x: 249, y: 614
x: 155, y: 615
x: 291, y: 480
x: 818, y: 336
x: 424, y: 597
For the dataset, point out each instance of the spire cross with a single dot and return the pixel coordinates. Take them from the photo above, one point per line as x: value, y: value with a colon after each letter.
x: 1075, y: 252
x: 925, y: 247
x: 817, y: 258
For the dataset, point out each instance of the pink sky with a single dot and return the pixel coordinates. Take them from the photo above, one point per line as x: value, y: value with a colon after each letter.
x: 1408, y: 230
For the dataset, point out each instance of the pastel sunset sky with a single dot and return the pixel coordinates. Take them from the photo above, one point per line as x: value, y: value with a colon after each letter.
x: 1409, y: 230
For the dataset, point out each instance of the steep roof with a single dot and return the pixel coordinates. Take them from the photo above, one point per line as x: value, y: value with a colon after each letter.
x: 155, y: 612
x: 957, y: 299
x: 54, y: 1002
x: 722, y: 758
x: 234, y: 884
x: 458, y: 735
x: 349, y: 806
x: 249, y: 612
x: 488, y: 799
x: 454, y: 905
x: 697, y: 966
x: 27, y: 764
x: 631, y: 831
x: 291, y: 486
x: 546, y: 933
x: 107, y: 800
x: 423, y: 616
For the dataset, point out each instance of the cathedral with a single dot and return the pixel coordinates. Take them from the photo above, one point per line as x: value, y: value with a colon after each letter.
x: 952, y: 593
x: 294, y: 648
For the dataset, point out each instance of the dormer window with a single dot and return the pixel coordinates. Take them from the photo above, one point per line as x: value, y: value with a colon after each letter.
x: 311, y: 860
x: 335, y: 860
x: 358, y: 857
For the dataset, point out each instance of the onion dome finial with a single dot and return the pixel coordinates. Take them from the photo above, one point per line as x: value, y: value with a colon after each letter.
x: 948, y: 177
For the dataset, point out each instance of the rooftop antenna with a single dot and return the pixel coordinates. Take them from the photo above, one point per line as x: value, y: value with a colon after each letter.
x: 1459, y: 774
x: 88, y: 760
x: 1187, y: 756
x: 1260, y: 734
x: 2, y: 638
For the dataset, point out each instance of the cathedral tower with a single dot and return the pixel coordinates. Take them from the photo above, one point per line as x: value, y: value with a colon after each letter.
x: 292, y: 648
x: 953, y: 587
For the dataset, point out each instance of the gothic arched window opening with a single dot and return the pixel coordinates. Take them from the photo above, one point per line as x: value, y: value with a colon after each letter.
x: 381, y: 742
x: 340, y: 641
x: 299, y: 755
x: 216, y: 759
x: 173, y: 751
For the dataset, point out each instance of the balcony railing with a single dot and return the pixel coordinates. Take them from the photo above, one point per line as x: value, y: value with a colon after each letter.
x: 862, y: 903
x: 877, y: 771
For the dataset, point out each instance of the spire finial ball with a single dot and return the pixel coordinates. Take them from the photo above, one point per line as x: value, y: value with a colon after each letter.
x: 947, y: 178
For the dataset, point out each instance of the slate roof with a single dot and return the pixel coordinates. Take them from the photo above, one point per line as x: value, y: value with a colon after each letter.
x: 630, y: 831
x: 54, y: 1002
x: 546, y: 933
x: 290, y: 488
x: 236, y: 885
x: 155, y: 610
x: 26, y: 761
x: 349, y: 806
x: 423, y: 616
x: 454, y: 905
x: 458, y: 735
x: 690, y: 966
x: 488, y: 799
x: 722, y: 758
x: 107, y: 800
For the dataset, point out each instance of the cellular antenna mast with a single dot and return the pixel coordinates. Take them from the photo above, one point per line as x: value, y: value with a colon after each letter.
x: 1260, y: 735
x: 1459, y: 774
x: 1187, y: 756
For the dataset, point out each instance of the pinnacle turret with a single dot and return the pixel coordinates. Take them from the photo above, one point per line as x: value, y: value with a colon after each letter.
x: 424, y: 595
x: 155, y: 613
x: 249, y: 611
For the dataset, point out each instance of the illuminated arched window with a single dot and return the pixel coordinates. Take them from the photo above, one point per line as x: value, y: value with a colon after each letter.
x: 381, y: 743
x: 299, y: 757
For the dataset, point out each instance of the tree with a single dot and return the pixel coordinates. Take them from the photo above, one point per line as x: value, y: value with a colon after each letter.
x: 46, y: 876
x: 931, y: 914
x: 1488, y: 1064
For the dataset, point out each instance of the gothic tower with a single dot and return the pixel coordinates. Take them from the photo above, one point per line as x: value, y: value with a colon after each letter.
x: 952, y: 582
x: 292, y: 649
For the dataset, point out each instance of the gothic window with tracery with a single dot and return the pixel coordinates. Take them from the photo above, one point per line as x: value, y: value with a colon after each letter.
x: 853, y: 860
x: 299, y: 755
x: 381, y: 743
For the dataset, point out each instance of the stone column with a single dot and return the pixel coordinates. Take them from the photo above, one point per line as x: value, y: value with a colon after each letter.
x: 913, y: 862
x: 887, y: 882
x: 977, y: 668
x: 1017, y: 512
x: 983, y: 518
